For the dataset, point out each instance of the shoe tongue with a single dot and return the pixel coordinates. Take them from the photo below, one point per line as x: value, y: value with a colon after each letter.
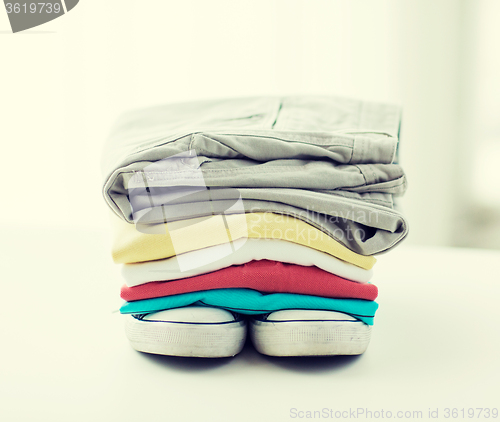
x: 192, y: 314
x: 307, y: 315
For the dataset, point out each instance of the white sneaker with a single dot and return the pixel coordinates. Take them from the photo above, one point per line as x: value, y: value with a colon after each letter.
x: 194, y: 331
x: 309, y: 333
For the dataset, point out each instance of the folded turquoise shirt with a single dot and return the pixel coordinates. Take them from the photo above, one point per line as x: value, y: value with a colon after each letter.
x: 251, y: 302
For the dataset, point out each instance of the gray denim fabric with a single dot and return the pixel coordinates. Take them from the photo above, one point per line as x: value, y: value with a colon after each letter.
x: 328, y: 161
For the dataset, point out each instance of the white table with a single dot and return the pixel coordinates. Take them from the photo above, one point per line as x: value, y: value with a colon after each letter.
x: 64, y: 355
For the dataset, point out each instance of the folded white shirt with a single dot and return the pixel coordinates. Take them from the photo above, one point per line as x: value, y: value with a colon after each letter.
x: 239, y: 252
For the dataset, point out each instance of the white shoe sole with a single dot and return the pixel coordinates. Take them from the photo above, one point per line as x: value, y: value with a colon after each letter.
x: 189, y: 339
x: 309, y: 337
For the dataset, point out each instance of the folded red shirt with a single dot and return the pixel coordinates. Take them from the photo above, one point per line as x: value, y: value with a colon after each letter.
x: 264, y: 276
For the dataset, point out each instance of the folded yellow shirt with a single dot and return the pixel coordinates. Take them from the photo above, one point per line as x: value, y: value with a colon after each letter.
x: 131, y: 245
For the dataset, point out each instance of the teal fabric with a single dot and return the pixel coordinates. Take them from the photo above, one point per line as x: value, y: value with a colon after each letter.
x: 252, y: 302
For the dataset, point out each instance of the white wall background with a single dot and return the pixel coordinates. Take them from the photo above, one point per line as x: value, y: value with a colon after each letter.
x: 63, y: 84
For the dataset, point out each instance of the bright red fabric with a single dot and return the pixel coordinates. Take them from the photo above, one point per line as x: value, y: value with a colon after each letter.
x: 264, y: 276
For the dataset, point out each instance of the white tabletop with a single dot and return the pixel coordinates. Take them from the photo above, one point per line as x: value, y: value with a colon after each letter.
x: 64, y: 355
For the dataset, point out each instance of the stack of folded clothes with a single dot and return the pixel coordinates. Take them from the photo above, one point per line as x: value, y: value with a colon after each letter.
x: 263, y: 212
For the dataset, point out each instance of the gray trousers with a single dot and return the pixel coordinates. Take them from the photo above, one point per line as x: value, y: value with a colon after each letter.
x: 328, y: 161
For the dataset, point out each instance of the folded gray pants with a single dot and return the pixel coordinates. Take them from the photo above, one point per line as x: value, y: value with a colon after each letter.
x: 326, y: 160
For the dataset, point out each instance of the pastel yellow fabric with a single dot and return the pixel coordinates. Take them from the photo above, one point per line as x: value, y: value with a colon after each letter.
x: 130, y: 245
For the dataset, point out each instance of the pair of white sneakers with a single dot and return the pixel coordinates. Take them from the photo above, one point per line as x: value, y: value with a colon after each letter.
x: 198, y: 331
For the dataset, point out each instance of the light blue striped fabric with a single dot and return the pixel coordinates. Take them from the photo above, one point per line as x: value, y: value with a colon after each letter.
x: 251, y: 302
